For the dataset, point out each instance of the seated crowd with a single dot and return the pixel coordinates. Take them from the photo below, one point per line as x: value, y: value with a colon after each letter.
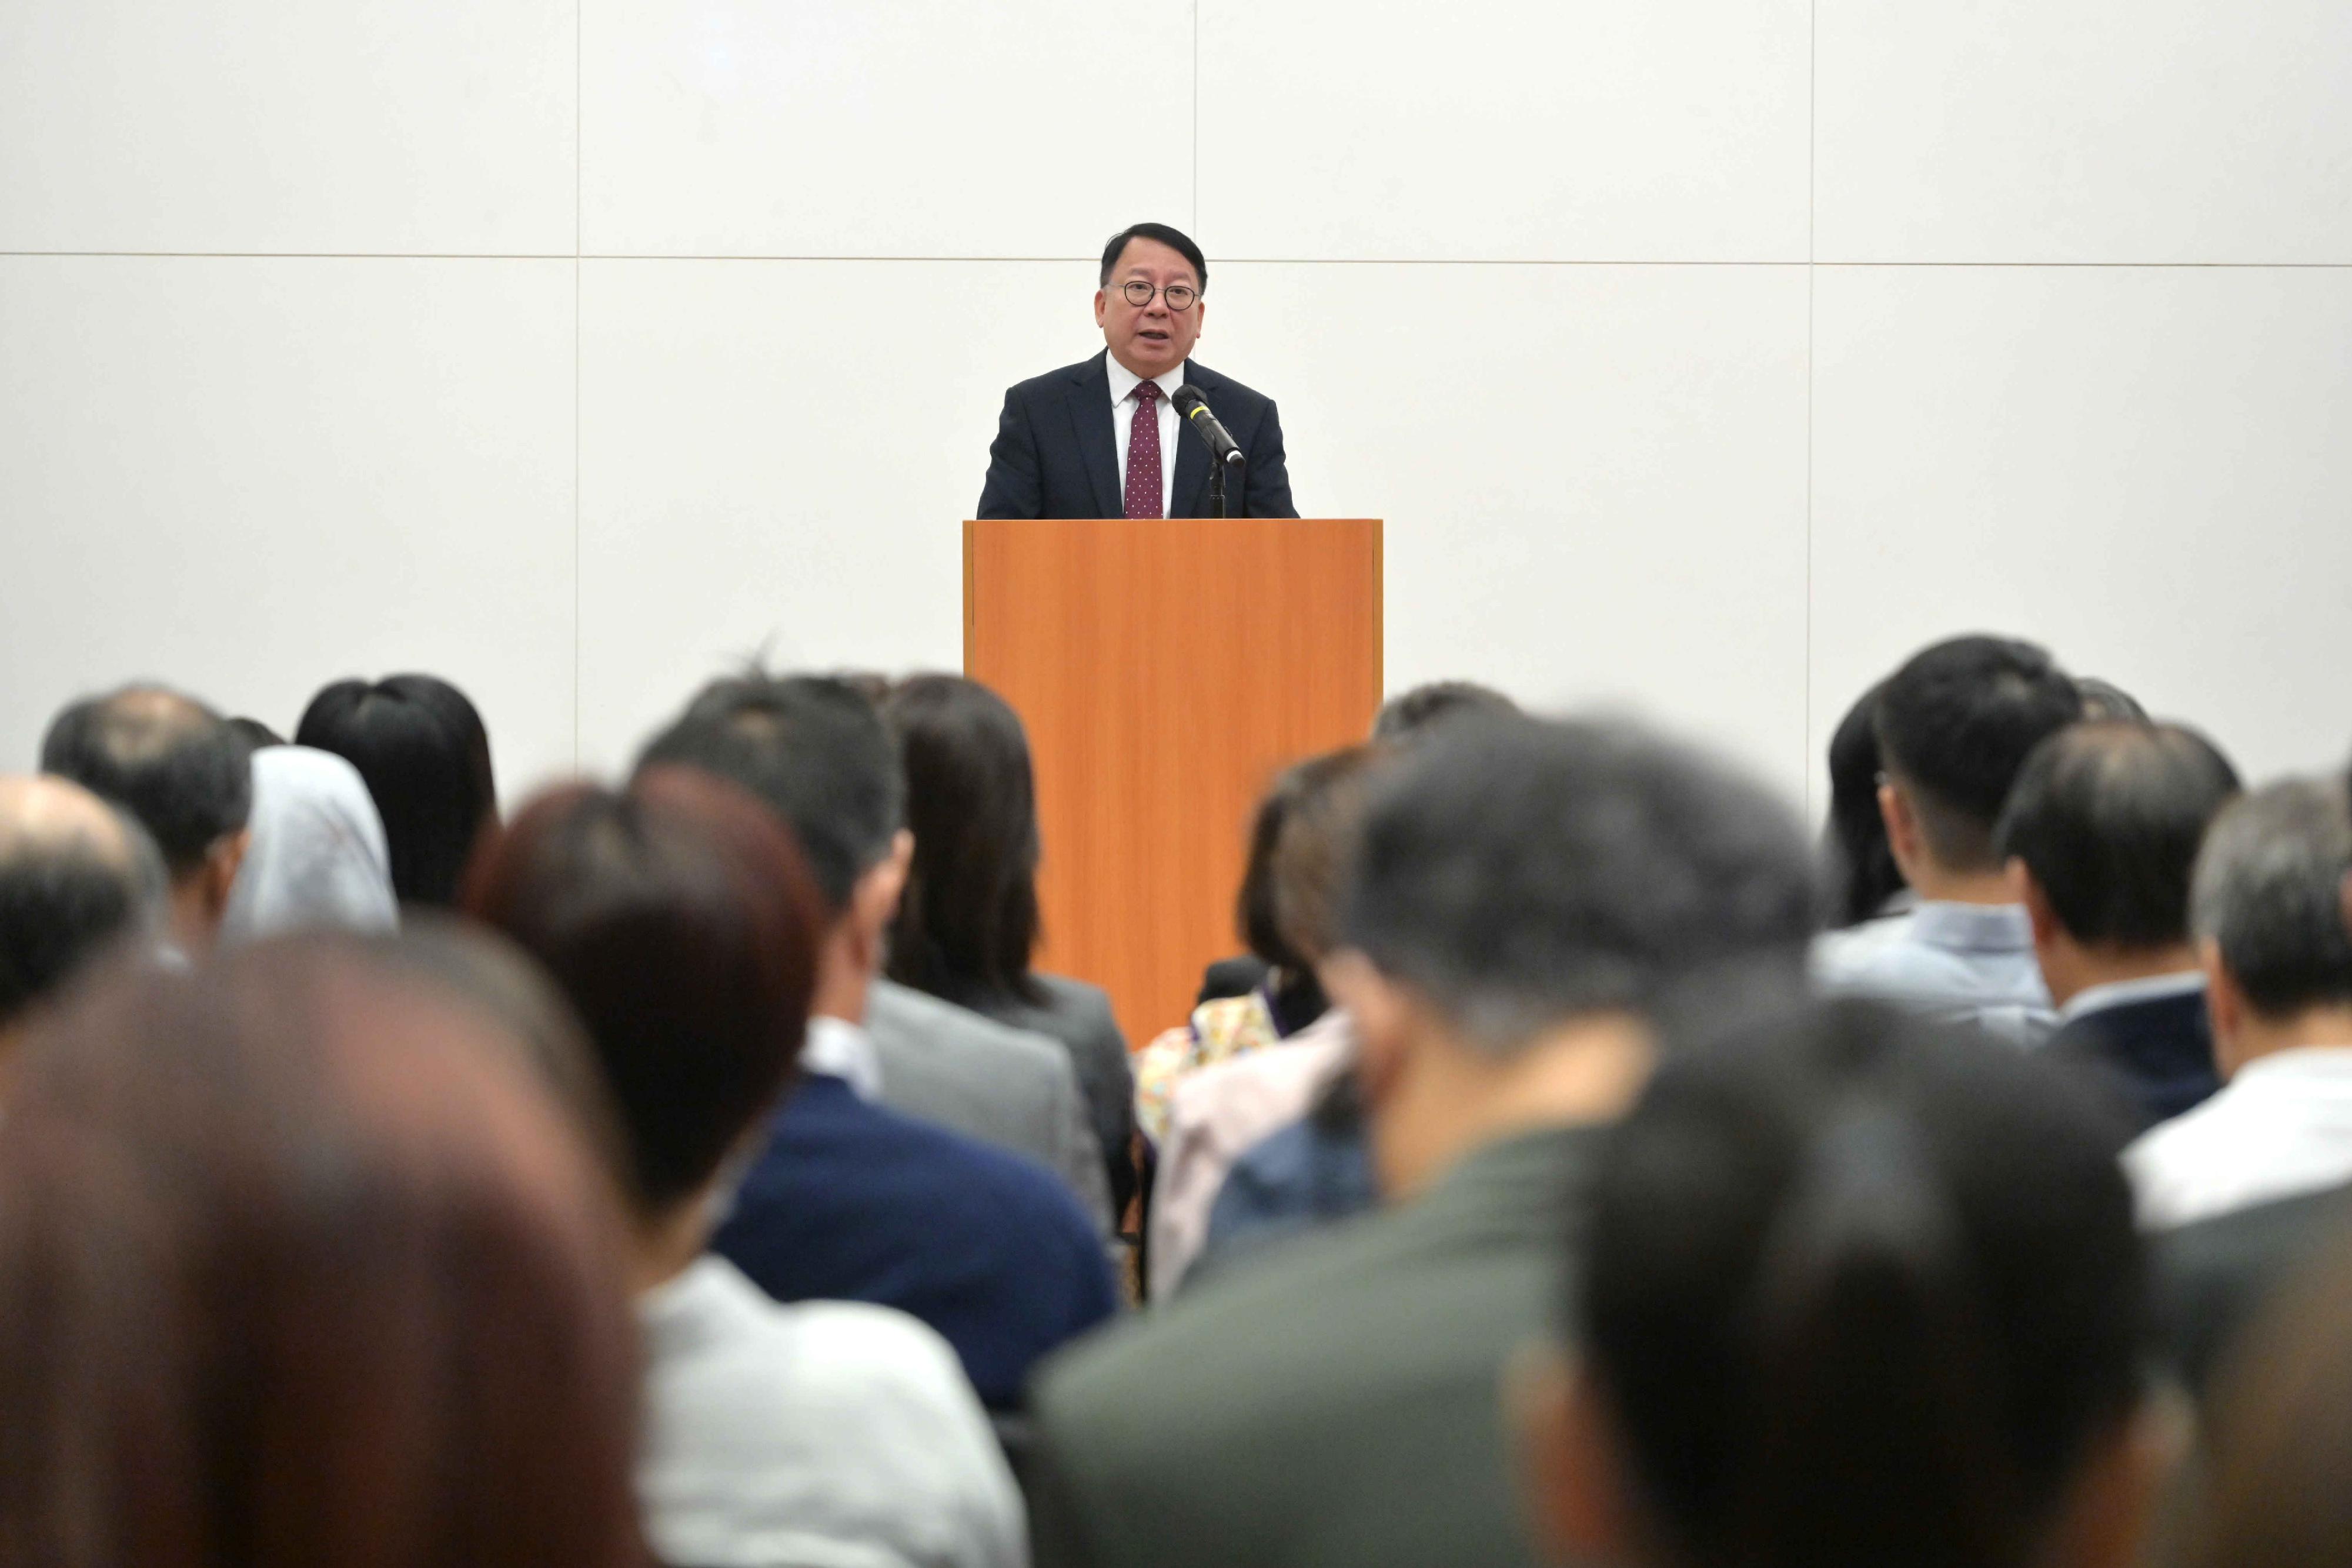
x: 1580, y: 1166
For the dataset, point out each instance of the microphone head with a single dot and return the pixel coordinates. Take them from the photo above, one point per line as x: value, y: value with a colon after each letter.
x: 1185, y: 398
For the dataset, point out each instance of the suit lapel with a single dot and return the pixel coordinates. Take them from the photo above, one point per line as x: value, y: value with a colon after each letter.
x: 1090, y: 420
x: 1190, y: 496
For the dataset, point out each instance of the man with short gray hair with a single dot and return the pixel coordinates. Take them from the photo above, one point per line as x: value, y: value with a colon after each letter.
x: 2267, y: 912
x: 1527, y: 899
x: 75, y: 877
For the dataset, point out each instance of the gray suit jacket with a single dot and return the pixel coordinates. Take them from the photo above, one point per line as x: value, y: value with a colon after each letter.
x: 1002, y: 1085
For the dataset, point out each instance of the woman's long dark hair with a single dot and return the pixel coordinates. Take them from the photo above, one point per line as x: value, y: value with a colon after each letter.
x: 968, y: 923
x: 420, y: 745
x: 1861, y: 862
x: 1860, y: 1293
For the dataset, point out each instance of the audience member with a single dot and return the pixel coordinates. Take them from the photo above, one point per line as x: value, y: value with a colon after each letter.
x: 1296, y: 844
x: 684, y: 927
x: 421, y: 746
x: 1525, y: 895
x: 1954, y: 725
x: 851, y: 1199
x: 317, y: 856
x: 2276, y: 1444
x: 1414, y: 712
x: 1872, y: 1298
x: 178, y: 768
x: 1868, y: 884
x: 967, y: 926
x: 814, y: 749
x: 2105, y: 700
x: 2268, y: 917
x: 255, y: 734
x: 2101, y: 834
x: 1223, y: 1092
x: 298, y: 1265
x: 75, y: 878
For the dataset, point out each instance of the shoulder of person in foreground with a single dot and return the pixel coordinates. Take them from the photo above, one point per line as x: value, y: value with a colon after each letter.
x: 823, y: 1423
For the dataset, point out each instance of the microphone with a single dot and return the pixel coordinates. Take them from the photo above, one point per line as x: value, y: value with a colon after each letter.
x: 1223, y: 449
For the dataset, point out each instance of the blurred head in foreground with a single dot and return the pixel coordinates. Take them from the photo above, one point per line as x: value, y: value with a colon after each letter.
x: 1858, y: 1293
x: 299, y: 1264
x: 1525, y: 897
x: 76, y: 877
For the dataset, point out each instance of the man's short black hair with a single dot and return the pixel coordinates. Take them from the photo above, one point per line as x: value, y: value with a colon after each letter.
x: 1955, y: 725
x: 1174, y: 239
x: 1520, y: 872
x: 169, y: 761
x: 815, y: 750
x: 1408, y: 714
x: 2108, y: 818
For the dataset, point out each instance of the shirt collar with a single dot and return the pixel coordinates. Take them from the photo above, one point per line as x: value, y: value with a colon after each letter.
x: 1123, y: 381
x: 1973, y: 927
x: 839, y: 1048
x: 2124, y: 993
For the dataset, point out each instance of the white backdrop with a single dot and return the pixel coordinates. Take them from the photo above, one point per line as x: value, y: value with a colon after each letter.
x: 1703, y: 355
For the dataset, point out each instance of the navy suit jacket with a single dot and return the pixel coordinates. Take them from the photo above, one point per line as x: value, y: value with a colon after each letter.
x: 856, y: 1202
x: 2158, y: 1053
x: 1055, y: 456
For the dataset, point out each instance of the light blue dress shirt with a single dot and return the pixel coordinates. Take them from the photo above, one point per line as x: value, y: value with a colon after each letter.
x: 1968, y: 963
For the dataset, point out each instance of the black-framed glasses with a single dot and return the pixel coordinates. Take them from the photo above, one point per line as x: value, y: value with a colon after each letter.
x: 1179, y: 296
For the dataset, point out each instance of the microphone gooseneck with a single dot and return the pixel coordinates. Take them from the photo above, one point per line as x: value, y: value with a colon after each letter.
x: 1188, y: 402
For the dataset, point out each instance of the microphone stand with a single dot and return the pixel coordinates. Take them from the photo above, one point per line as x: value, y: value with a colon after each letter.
x: 1217, y: 488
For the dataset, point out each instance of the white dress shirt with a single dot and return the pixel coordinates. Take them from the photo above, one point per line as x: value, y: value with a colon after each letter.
x: 2281, y: 1127
x: 826, y: 1434
x: 1123, y: 382
x: 840, y: 1049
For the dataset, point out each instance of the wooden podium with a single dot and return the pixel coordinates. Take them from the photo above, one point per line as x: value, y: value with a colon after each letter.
x: 1165, y: 671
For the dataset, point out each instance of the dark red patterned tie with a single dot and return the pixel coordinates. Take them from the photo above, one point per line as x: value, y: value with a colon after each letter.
x: 1143, y: 453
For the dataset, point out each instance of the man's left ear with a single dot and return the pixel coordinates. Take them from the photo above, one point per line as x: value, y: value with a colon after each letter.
x: 222, y: 862
x: 1569, y: 1470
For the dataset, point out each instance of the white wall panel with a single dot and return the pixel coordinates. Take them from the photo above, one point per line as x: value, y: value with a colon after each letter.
x: 1588, y: 130
x: 254, y: 476
x: 355, y: 126
x: 2148, y: 470
x: 778, y: 456
x: 1593, y: 477
x: 890, y: 128
x: 2084, y: 131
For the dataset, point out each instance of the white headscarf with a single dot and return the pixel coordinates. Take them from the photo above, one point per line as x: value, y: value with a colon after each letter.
x: 318, y: 856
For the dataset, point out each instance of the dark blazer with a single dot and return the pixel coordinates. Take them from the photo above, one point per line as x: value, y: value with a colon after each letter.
x: 854, y: 1202
x: 1054, y: 455
x: 2157, y: 1054
x: 2214, y: 1277
x: 1339, y: 1405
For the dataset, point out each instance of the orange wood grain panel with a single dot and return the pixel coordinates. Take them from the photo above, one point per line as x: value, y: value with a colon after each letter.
x: 1166, y: 670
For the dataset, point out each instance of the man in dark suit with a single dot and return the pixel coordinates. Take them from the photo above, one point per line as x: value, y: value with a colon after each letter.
x: 1526, y: 896
x: 2101, y: 832
x: 1100, y: 439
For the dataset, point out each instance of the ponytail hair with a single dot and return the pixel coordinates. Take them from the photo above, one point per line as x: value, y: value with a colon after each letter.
x: 1859, y: 1294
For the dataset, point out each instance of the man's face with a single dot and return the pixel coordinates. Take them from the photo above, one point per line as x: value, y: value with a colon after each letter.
x: 1149, y: 339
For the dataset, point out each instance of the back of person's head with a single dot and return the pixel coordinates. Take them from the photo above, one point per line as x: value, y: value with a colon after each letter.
x: 1861, y: 864
x: 813, y: 748
x: 1411, y: 713
x: 2277, y: 1433
x: 2269, y: 896
x: 76, y: 877
x: 298, y: 1266
x: 968, y: 924
x: 1955, y: 725
x: 682, y: 925
x: 1852, y: 1293
x: 2107, y: 818
x: 1317, y: 805
x: 1519, y: 873
x: 2105, y: 700
x: 318, y: 858
x: 166, y: 759
x: 420, y: 745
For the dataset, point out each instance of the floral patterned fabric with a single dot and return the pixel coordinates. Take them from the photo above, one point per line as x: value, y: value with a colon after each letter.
x: 1219, y: 1030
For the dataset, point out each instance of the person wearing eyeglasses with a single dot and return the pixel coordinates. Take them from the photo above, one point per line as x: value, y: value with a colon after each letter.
x: 1100, y: 438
